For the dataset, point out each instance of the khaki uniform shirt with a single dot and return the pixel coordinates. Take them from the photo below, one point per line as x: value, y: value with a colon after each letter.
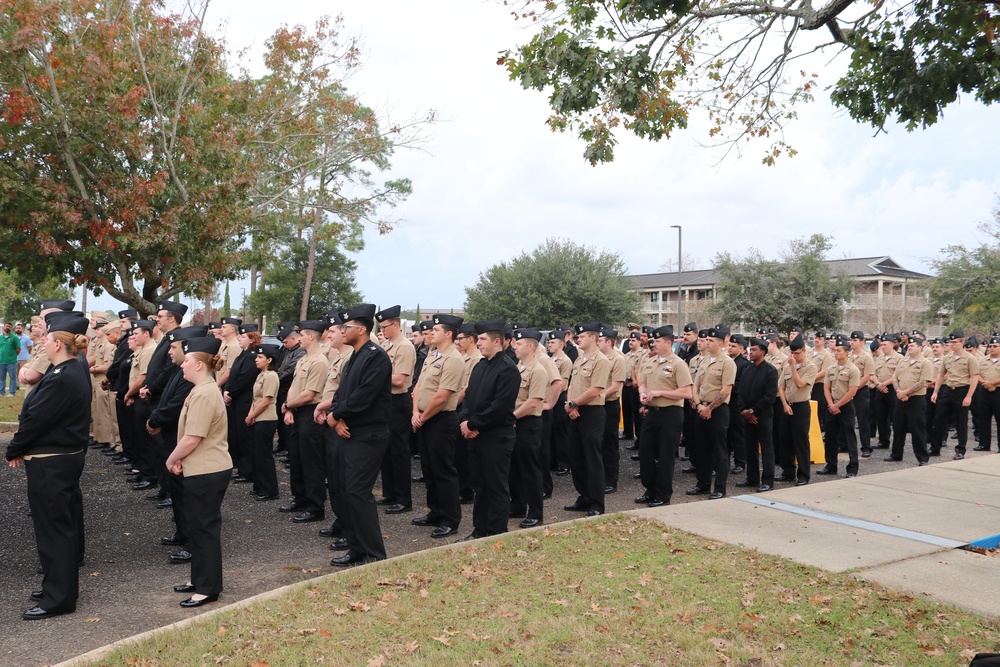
x: 469, y: 362
x: 618, y: 372
x: 228, y: 353
x: 912, y: 372
x: 335, y: 373
x: 551, y: 370
x: 403, y: 356
x: 823, y: 360
x: 441, y: 370
x: 204, y: 416
x: 589, y: 372
x: 140, y: 361
x: 534, y: 384
x: 844, y: 377
x: 989, y: 369
x: 885, y: 366
x: 266, y: 386
x: 713, y: 375
x: 807, y: 371
x: 864, y: 361
x: 38, y: 360
x: 776, y: 360
x: 959, y: 369
x: 664, y: 374
x: 565, y: 367
x: 310, y: 375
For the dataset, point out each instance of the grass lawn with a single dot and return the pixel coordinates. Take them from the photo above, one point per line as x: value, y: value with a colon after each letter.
x: 614, y: 591
x: 10, y: 406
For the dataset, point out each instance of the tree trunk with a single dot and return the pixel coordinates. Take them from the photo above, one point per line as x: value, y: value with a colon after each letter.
x: 317, y: 219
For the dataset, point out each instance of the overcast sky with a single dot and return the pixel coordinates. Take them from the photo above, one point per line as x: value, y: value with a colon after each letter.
x: 495, y: 182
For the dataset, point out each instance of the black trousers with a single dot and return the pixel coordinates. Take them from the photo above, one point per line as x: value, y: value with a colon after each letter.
x: 630, y: 409
x: 296, y: 482
x: 658, y: 442
x: 283, y: 430
x: 949, y: 407
x: 437, y: 461
x: 819, y: 396
x: 910, y: 417
x: 709, y: 451
x: 736, y: 437
x: 396, y: 464
x: 203, y: 496
x: 796, y: 438
x: 609, y: 443
x: 885, y: 406
x: 265, y: 477
x: 778, y: 437
x: 57, y: 515
x: 585, y: 459
x: 839, y: 426
x: 489, y: 465
x: 559, y: 448
x: 465, y: 490
x: 124, y: 415
x: 862, y: 406
x: 244, y: 459
x: 760, y: 448
x: 933, y: 444
x: 144, y: 444
x: 545, y: 451
x: 174, y: 484
x: 986, y: 412
x: 312, y: 457
x: 358, y: 460
x: 526, y: 469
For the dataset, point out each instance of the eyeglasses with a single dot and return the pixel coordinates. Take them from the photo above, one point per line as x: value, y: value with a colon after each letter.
x: 356, y: 326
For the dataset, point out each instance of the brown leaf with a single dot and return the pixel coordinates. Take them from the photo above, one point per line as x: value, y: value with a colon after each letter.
x: 932, y: 651
x: 424, y: 593
x: 719, y: 643
x: 94, y: 619
x: 817, y: 599
x: 95, y: 574
x: 337, y: 611
x: 412, y: 646
x: 377, y: 661
x: 305, y: 632
x: 222, y: 631
x: 562, y: 603
x: 260, y: 663
x: 442, y: 640
x: 498, y: 545
x: 359, y: 606
x: 325, y: 634
x: 779, y: 647
x: 645, y: 578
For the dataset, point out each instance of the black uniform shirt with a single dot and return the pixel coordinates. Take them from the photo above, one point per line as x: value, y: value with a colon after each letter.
x: 759, y: 387
x: 492, y: 393
x: 168, y: 410
x: 55, y: 417
x: 742, y: 364
x: 362, y: 399
x: 158, y: 370
x: 242, y: 376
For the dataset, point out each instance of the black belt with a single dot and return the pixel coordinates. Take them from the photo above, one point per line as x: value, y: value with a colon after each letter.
x: 657, y: 408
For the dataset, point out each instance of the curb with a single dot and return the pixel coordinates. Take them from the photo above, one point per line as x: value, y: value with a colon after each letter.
x: 8, y: 427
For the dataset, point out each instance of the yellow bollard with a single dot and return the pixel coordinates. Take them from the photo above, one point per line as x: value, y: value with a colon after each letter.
x: 816, y: 451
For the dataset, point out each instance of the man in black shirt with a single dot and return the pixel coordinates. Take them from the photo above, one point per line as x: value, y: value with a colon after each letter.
x: 758, y: 389
x: 487, y: 424
x: 360, y: 416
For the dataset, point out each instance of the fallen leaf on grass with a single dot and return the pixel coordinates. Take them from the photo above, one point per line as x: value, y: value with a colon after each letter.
x: 645, y: 578
x: 817, y: 599
x: 562, y: 603
x: 305, y: 632
x: 377, y: 661
x: 498, y: 545
x: 779, y: 647
x: 442, y: 640
x: 719, y: 643
x: 222, y: 630
x: 337, y: 611
x: 932, y: 651
x: 359, y: 606
x: 412, y: 646
x: 967, y: 654
x: 260, y: 663
x: 94, y: 619
x: 325, y: 634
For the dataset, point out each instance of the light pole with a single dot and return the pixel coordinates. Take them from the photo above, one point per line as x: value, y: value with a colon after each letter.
x: 680, y: 324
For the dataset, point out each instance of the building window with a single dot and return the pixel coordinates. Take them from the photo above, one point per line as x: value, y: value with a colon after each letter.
x: 654, y: 297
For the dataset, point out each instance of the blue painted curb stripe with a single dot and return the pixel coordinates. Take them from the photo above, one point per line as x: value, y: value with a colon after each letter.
x: 854, y: 523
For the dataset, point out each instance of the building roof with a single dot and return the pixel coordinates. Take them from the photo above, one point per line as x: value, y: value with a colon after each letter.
x: 856, y: 268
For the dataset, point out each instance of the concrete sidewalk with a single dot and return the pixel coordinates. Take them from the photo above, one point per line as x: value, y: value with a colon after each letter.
x: 902, y: 529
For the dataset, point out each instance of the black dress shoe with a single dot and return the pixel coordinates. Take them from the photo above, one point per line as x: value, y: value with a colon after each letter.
x: 826, y: 471
x: 684, y: 457
x: 696, y: 491
x: 893, y: 458
x: 240, y: 479
x: 937, y: 453
x: 548, y: 494
x: 562, y: 472
x: 689, y: 469
x: 980, y: 448
x: 36, y: 613
x: 173, y: 540
x: 133, y: 479
x: 958, y: 456
x: 575, y: 508
x: 715, y: 495
x: 801, y: 482
x: 385, y: 501
x: 339, y: 545
x: 426, y: 520
x: 865, y: 454
x: 443, y: 531
x: 736, y: 470
x: 644, y: 498
x: 923, y: 463
x: 165, y: 503
x: 291, y: 506
x: 851, y: 474
x: 142, y: 486
x: 307, y: 517
x: 182, y: 556
x: 37, y: 595
x: 265, y: 497
x: 636, y: 475
x: 530, y: 523
x: 347, y: 560
x: 764, y: 488
x: 594, y: 512
x: 635, y: 457
x: 784, y: 478
x: 467, y: 500
x: 745, y: 483
x: 658, y: 503
x: 184, y: 588
x: 417, y: 478
x: 191, y: 602
x: 469, y: 538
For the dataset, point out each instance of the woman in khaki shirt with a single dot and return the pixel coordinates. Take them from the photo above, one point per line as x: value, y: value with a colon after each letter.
x: 263, y: 422
x: 202, y: 456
